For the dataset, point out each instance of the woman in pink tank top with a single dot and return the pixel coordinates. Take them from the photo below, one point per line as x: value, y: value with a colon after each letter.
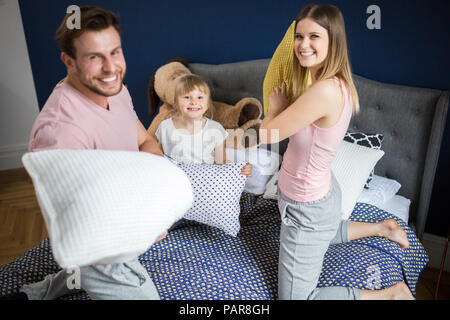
x: 315, y: 119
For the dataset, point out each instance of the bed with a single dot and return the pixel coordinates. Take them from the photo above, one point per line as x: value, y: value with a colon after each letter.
x: 200, y: 262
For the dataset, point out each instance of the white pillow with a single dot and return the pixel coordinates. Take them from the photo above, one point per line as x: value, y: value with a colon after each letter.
x: 351, y: 167
x: 271, y: 191
x: 217, y: 191
x: 381, y: 190
x: 103, y: 207
x: 398, y: 206
x: 264, y: 164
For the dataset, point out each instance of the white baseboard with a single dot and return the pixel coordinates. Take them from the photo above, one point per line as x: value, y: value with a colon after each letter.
x: 434, y: 246
x: 11, y: 156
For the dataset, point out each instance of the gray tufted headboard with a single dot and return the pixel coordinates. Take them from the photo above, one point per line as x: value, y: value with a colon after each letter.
x: 412, y: 121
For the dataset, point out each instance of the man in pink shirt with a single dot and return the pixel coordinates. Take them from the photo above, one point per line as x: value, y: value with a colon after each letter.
x: 92, y: 109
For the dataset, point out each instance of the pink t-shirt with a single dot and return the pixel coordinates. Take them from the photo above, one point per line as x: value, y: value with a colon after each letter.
x: 69, y: 120
x: 305, y: 173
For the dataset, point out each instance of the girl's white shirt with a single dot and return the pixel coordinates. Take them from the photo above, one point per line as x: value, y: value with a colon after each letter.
x: 191, y: 148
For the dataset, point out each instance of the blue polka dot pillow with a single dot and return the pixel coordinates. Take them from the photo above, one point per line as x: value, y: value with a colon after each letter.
x: 217, y: 190
x: 372, y: 141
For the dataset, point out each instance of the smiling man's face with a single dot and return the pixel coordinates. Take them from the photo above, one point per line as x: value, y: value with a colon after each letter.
x: 99, y: 65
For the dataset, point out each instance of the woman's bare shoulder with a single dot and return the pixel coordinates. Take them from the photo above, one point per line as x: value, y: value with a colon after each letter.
x: 327, y: 89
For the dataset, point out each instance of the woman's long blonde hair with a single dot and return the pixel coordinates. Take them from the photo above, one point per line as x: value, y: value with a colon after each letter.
x: 337, y: 62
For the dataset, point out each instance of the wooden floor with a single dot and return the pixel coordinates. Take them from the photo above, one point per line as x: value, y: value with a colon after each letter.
x: 22, y: 227
x: 21, y: 223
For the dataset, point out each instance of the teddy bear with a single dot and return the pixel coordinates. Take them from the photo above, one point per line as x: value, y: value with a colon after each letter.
x: 241, y: 121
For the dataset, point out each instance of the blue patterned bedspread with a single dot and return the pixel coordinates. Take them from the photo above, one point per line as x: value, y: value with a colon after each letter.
x: 201, y: 262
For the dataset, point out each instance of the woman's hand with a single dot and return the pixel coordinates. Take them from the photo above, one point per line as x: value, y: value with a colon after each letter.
x: 247, y: 170
x: 278, y: 99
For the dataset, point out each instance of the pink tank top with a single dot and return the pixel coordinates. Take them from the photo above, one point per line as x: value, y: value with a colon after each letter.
x: 305, y: 173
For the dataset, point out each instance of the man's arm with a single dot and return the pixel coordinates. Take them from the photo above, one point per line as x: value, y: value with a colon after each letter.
x: 146, y: 142
x: 57, y: 136
x: 149, y: 144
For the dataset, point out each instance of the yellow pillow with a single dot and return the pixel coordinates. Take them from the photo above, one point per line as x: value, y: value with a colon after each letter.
x: 280, y: 67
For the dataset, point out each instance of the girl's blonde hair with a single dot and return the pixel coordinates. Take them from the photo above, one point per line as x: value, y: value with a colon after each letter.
x: 337, y: 62
x: 191, y: 82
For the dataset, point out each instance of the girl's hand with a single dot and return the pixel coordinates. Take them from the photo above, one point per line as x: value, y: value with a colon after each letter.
x: 278, y: 99
x: 162, y: 236
x: 247, y: 170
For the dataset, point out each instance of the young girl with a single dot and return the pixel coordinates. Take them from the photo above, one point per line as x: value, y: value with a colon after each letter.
x: 315, y: 119
x: 190, y: 136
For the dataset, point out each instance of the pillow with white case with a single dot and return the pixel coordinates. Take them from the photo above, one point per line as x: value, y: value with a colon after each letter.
x: 373, y: 141
x: 103, y: 207
x: 398, y: 206
x: 381, y: 190
x: 271, y: 191
x: 265, y: 164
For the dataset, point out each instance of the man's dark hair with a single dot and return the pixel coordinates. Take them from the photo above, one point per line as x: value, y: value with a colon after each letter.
x: 92, y: 18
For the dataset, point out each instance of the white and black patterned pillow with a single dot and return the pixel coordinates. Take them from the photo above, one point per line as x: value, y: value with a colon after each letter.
x: 217, y: 190
x: 372, y: 141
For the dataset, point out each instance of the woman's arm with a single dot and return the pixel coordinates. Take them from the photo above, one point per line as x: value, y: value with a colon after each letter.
x: 321, y: 100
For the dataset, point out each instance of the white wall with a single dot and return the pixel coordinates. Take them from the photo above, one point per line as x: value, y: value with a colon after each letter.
x: 18, y: 101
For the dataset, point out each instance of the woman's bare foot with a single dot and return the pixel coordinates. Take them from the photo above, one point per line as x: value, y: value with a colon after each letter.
x: 391, y: 230
x: 398, y: 291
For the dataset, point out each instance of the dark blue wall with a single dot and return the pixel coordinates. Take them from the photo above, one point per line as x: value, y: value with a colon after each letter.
x: 412, y: 47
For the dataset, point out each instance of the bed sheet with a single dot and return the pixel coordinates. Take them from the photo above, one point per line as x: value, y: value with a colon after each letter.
x: 198, y: 262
